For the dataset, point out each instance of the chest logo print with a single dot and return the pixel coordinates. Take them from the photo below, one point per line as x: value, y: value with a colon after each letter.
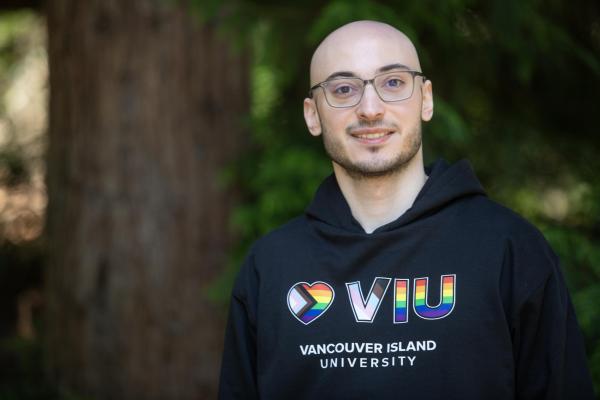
x: 308, y: 301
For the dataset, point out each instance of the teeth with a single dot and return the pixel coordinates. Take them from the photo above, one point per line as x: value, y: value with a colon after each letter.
x: 372, y: 135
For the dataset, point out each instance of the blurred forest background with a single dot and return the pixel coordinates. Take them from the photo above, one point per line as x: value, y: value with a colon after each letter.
x: 144, y: 144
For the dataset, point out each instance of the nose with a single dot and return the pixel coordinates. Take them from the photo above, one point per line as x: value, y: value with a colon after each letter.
x: 371, y: 107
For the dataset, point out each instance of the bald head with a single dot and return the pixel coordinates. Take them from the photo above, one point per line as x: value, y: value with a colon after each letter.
x: 362, y: 47
x: 375, y: 129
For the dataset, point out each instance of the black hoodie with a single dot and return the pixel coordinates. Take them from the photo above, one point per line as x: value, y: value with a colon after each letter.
x: 459, y: 298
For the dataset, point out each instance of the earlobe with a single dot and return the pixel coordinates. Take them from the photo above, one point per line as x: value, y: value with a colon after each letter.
x: 427, y: 104
x: 311, y: 117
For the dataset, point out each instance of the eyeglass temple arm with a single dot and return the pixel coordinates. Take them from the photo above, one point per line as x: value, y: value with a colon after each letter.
x: 310, y: 91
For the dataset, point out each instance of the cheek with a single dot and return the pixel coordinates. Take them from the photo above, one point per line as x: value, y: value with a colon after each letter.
x: 335, y: 120
x: 409, y: 112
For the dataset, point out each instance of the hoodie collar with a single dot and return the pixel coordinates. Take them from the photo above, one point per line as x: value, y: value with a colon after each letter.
x: 446, y: 184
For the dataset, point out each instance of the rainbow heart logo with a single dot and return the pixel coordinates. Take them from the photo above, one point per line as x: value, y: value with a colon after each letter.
x: 308, y: 301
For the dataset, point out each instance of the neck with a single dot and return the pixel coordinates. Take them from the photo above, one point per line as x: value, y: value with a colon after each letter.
x: 376, y: 201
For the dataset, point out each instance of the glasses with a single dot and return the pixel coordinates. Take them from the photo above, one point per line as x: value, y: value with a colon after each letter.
x: 389, y: 86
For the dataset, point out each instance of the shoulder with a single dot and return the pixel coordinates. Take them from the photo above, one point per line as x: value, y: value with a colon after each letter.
x: 278, y: 245
x: 501, y: 221
x: 528, y: 259
x: 286, y: 239
x: 288, y: 231
x: 524, y: 247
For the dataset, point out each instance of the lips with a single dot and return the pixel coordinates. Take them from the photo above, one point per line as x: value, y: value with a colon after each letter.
x: 372, y: 136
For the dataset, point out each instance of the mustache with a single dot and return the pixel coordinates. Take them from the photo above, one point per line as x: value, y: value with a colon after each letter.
x: 371, y: 124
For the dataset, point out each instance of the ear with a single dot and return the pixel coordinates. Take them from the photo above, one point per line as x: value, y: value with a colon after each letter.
x: 427, y: 104
x: 311, y: 117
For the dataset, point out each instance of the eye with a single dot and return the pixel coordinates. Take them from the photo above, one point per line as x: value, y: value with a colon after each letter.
x: 393, y: 83
x: 344, y: 89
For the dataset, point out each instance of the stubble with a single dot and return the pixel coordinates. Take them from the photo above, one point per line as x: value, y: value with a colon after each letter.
x: 377, y: 167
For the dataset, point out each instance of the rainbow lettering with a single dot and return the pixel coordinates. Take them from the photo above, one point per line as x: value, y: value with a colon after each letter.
x: 365, y: 311
x: 447, y: 298
x: 400, y: 301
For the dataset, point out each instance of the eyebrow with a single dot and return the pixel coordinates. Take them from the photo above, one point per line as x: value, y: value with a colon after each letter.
x: 385, y: 68
x: 390, y: 67
x: 345, y: 74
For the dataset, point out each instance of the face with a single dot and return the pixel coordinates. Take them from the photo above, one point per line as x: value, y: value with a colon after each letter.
x: 373, y: 138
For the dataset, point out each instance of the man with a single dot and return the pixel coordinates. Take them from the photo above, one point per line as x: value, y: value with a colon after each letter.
x: 399, y: 281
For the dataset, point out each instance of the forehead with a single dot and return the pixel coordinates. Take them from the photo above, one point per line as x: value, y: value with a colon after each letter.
x: 362, y: 53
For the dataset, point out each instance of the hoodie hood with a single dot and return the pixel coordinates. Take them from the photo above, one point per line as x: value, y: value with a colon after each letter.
x: 446, y: 184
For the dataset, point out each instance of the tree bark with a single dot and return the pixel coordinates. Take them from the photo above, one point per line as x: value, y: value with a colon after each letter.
x: 146, y: 107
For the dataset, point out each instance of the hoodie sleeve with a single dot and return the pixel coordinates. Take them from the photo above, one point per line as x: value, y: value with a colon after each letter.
x: 548, y: 346
x: 238, y: 367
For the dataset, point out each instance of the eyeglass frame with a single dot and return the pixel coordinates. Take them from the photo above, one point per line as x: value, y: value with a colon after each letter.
x: 365, y: 82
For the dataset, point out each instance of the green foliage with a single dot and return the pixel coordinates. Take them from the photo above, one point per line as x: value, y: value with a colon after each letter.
x: 516, y: 87
x: 12, y: 36
x: 21, y: 360
x: 15, y: 43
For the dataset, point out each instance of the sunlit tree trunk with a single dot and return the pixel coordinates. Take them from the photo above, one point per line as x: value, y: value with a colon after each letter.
x: 145, y: 109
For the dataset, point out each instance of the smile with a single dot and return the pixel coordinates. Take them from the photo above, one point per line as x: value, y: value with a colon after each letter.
x: 371, y: 136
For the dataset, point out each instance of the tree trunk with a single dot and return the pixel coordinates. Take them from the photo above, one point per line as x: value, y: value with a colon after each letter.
x: 146, y: 106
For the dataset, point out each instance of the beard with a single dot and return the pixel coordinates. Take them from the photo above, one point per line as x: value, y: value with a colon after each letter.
x: 378, y: 167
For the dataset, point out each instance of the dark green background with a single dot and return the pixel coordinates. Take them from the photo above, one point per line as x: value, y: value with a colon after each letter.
x: 516, y: 87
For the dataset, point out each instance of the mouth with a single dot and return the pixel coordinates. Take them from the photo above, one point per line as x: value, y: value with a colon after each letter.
x: 372, y: 136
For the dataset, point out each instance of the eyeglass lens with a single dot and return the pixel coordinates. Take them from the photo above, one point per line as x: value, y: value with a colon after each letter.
x: 347, y: 92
